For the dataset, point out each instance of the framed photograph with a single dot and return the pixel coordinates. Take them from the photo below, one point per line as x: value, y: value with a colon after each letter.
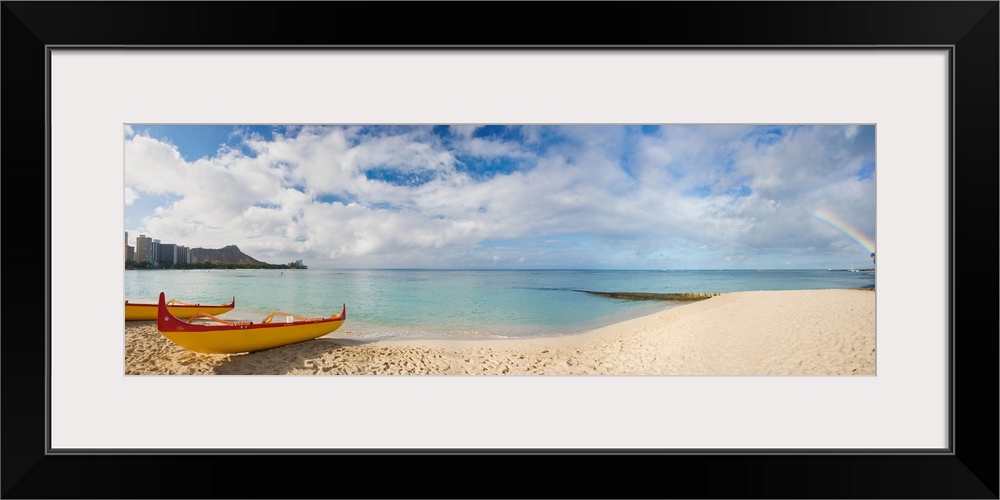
x: 910, y: 87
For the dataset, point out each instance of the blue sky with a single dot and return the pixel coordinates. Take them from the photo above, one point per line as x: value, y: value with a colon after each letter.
x: 509, y: 196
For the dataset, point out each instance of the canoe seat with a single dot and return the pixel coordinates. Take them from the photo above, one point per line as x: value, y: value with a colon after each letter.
x: 221, y: 321
x: 289, y: 318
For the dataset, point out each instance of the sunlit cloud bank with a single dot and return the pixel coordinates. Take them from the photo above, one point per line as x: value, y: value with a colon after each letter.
x: 573, y: 196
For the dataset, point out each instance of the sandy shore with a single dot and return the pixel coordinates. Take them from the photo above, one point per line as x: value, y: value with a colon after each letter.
x: 799, y: 332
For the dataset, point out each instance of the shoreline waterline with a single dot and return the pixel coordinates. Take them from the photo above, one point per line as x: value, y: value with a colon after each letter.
x: 475, y: 303
x: 785, y: 332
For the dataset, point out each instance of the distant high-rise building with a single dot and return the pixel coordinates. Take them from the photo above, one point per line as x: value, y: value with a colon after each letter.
x: 168, y: 253
x: 183, y: 254
x: 143, y: 249
x: 154, y: 256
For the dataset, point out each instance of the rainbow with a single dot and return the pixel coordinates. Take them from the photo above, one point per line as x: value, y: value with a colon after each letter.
x: 835, y: 221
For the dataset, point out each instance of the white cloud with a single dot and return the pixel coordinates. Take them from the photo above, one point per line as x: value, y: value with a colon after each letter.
x: 465, y: 131
x: 682, y: 197
x: 130, y: 195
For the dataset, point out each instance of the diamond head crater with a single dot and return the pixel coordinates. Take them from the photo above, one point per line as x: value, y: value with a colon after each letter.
x: 228, y: 257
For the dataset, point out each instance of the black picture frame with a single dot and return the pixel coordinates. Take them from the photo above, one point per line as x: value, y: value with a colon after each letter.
x: 970, y: 29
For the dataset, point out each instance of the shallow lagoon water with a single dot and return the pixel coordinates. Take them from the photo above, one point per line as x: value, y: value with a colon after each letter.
x: 411, y: 303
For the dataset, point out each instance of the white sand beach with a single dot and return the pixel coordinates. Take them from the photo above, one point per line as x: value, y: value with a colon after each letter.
x: 796, y: 332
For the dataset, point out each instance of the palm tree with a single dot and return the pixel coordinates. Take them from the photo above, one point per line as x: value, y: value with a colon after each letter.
x: 873, y: 258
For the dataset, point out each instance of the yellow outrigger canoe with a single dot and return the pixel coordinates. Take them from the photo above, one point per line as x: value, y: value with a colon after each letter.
x: 208, y: 334
x: 135, y: 311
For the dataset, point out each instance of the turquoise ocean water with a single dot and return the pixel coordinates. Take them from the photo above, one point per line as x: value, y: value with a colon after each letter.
x: 459, y: 303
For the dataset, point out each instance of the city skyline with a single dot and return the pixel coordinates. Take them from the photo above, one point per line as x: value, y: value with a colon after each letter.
x: 153, y: 251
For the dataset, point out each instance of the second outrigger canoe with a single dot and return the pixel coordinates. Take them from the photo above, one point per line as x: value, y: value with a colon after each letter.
x: 135, y: 311
x: 208, y: 334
